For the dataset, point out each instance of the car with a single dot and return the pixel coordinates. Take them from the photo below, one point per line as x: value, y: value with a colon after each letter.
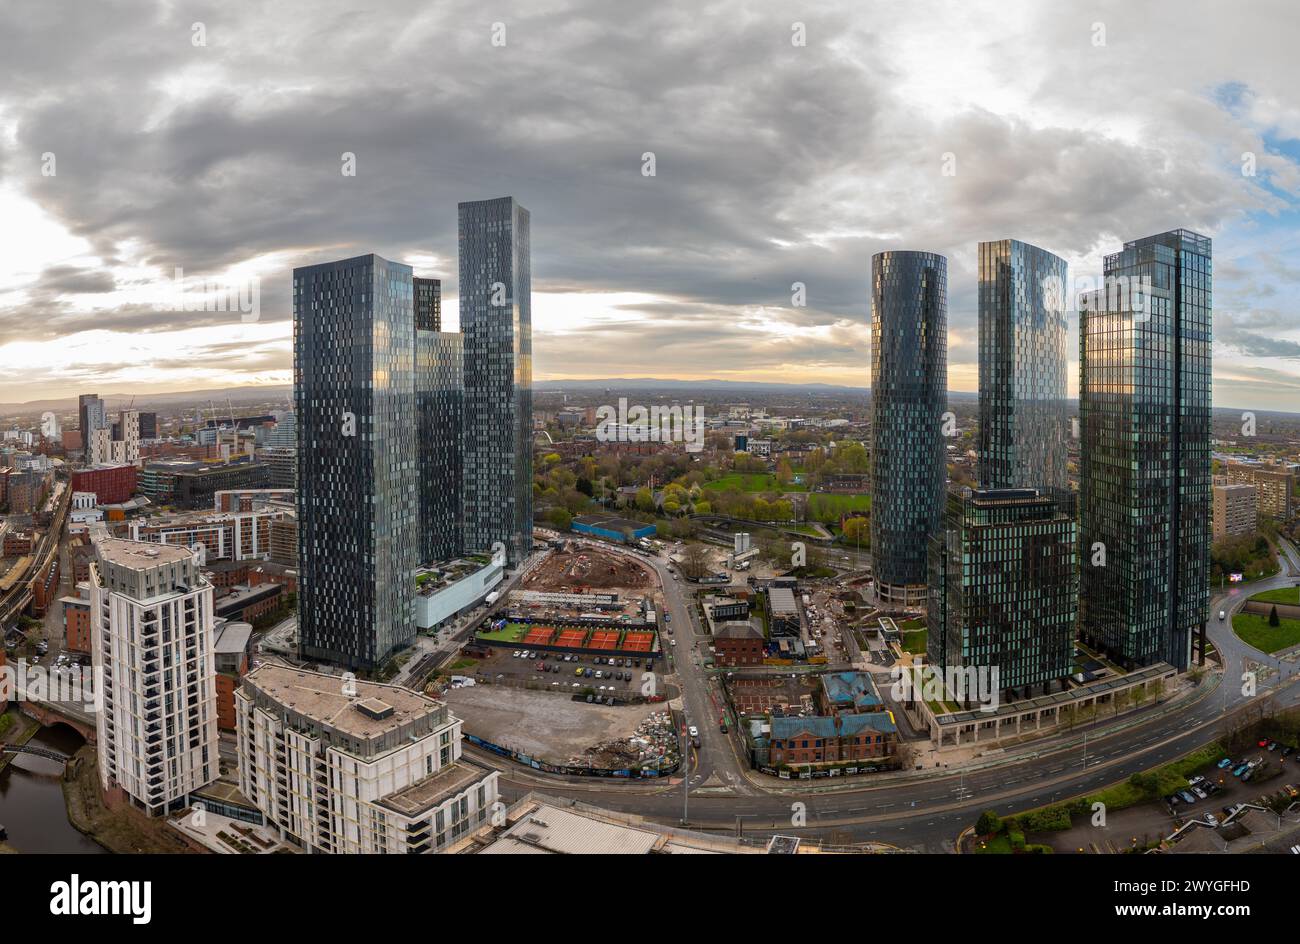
x: 577, y: 671
x: 1250, y: 772
x: 1200, y: 793
x: 1187, y: 797
x: 722, y: 725
x: 1263, y: 742
x: 1295, y: 850
x: 1291, y: 791
x: 1211, y: 819
x: 1240, y: 770
x: 1256, y: 762
x: 599, y: 674
x: 670, y: 630
x: 1286, y: 751
x: 693, y: 731
x: 586, y: 673
x: 695, y: 743
x: 1222, y: 615
x: 541, y: 667
x: 673, y: 643
x: 1272, y: 746
x: 1195, y: 780
x: 1225, y: 763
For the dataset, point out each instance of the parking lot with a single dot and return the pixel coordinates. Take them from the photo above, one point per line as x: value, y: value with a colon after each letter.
x: 566, y: 673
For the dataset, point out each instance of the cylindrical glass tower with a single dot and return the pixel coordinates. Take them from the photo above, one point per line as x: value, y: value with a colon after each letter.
x: 909, y: 394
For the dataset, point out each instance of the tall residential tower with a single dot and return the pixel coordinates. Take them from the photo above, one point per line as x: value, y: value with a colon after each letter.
x: 358, y: 476
x: 1144, y: 476
x: 909, y: 394
x: 496, y: 323
x: 1024, y: 414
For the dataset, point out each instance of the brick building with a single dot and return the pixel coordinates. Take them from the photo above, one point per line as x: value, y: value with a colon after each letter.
x: 111, y: 484
x: 738, y: 643
x: 824, y: 740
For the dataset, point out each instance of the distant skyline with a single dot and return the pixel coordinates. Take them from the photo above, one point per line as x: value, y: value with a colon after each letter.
x: 774, y: 164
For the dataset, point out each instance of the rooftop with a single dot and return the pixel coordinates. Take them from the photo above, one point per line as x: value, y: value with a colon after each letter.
x: 432, y: 790
x: 320, y: 697
x: 140, y: 555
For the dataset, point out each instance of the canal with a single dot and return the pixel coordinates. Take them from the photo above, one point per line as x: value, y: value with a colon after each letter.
x: 31, y: 798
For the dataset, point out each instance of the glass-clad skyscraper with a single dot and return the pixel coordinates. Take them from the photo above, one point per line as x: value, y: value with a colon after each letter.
x: 496, y: 321
x: 428, y: 303
x: 1003, y: 587
x: 1144, y: 489
x: 358, y: 495
x: 1023, y: 335
x: 909, y: 393
x: 440, y: 397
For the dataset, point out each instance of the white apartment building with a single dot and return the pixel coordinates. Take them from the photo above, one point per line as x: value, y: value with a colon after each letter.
x: 152, y: 639
x: 338, y: 765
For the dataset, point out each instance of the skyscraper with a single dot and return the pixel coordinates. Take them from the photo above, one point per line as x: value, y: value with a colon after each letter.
x: 358, y: 475
x: 1003, y: 584
x: 91, y: 414
x: 496, y: 322
x: 909, y: 384
x: 1144, y: 483
x: 440, y: 400
x: 1022, y: 355
x: 153, y: 643
x: 428, y: 304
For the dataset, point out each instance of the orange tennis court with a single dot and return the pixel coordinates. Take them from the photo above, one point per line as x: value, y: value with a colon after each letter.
x: 539, y: 636
x: 638, y: 642
x: 603, y: 639
x: 571, y: 638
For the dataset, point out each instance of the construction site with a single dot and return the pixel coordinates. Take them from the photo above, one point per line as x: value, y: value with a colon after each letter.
x: 581, y: 568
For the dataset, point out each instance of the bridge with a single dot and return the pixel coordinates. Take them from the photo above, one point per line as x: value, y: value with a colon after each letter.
x: 36, y: 751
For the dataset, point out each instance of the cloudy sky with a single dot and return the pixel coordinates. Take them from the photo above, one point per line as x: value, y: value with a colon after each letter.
x: 138, y: 139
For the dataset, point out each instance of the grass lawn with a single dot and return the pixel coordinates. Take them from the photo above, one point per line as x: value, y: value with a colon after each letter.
x: 914, y: 641
x: 1280, y: 595
x: 511, y: 632
x: 827, y: 507
x: 1254, y: 630
x: 752, y: 482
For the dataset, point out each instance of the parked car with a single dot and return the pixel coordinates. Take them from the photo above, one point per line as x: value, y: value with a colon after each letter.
x: 1241, y: 770
x: 1211, y: 819
x: 1225, y: 763
x: 1195, y: 780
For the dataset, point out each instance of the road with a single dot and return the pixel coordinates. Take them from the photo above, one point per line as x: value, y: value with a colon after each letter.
x: 927, y: 811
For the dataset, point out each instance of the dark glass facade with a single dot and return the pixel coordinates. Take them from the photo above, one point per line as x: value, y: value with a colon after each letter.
x: 428, y: 303
x: 358, y: 496
x: 1003, y: 587
x: 496, y: 322
x: 1024, y: 413
x: 1144, y: 411
x: 909, y: 383
x: 440, y: 396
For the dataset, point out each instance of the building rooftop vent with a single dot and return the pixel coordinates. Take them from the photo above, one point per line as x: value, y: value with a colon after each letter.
x: 374, y: 708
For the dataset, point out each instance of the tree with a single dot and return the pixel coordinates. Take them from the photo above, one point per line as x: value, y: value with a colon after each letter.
x: 645, y: 499
x: 559, y: 519
x: 988, y: 824
x: 1148, y: 782
x: 1272, y: 617
x: 695, y: 561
